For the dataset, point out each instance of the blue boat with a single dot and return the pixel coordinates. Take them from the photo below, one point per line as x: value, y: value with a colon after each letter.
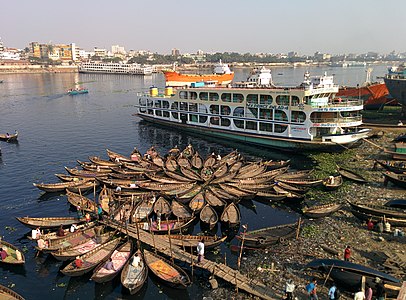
x: 78, y: 91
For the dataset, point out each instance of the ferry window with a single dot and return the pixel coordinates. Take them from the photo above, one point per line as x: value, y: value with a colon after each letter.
x: 150, y: 103
x: 193, y: 107
x: 226, y: 97
x: 251, y: 125
x: 282, y: 100
x: 175, y: 115
x: 280, y: 115
x: 202, y: 119
x: 265, y: 99
x: 193, y: 95
x: 183, y: 95
x: 265, y: 127
x: 238, y: 98
x: 158, y: 104
x: 295, y: 100
x: 165, y: 104
x: 280, y: 128
x: 225, y: 110
x: 238, y: 111
x: 202, y: 108
x: 265, y: 113
x: 150, y: 111
x: 165, y: 114
x: 298, y: 116
x: 143, y: 110
x: 175, y: 105
x: 213, y: 96
x: 214, y: 109
x: 225, y: 122
x: 204, y: 96
x: 193, y: 118
x: 252, y: 98
x: 215, y: 120
x: 308, y: 100
x: 252, y: 112
x: 183, y: 106
x: 142, y: 102
x: 239, y: 123
x: 158, y: 113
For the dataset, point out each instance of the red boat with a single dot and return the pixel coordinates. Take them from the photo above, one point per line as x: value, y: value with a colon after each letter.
x: 375, y: 95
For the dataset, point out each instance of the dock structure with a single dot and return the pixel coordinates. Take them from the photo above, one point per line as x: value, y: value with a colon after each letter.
x: 162, y: 244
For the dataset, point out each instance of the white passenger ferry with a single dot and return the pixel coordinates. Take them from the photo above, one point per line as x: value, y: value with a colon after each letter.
x: 257, y: 112
x: 115, y: 68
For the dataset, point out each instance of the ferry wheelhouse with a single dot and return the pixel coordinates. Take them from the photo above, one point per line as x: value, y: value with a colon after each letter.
x: 257, y: 112
x: 115, y: 68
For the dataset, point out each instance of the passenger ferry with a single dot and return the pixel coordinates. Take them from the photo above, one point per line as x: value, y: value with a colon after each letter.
x: 115, y: 68
x: 304, y: 117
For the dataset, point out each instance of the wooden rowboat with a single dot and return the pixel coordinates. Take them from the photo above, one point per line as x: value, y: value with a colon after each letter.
x: 398, y: 167
x: 114, y: 156
x: 9, y: 137
x: 91, y: 259
x: 78, y: 200
x: 84, y: 173
x: 351, y: 175
x: 209, y: 216
x: 231, y: 215
x: 166, y: 225
x: 320, y: 211
x: 197, y: 161
x: 333, y: 182
x: 48, y: 223
x: 119, y: 257
x: 396, y: 179
x: 190, y: 241
x: 197, y: 202
x: 52, y: 235
x: 374, y: 218
x: 71, y: 240
x: 184, y: 162
x: 163, y: 206
x: 180, y: 210
x: 8, y: 294
x: 171, y: 164
x: 58, y: 187
x: 296, y: 174
x: 83, y: 187
x: 189, y: 173
x: 142, y: 210
x: 379, y: 210
x: 212, y: 199
x: 265, y: 237
x: 166, y: 271
x: 102, y: 162
x: 64, y: 177
x: 84, y: 247
x: 133, y: 278
x: 302, y: 181
x: 13, y: 258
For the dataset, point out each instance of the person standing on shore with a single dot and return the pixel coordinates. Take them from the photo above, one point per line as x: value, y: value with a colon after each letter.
x: 289, y: 289
x: 347, y: 253
x: 332, y: 292
x: 311, y: 289
x: 200, y: 251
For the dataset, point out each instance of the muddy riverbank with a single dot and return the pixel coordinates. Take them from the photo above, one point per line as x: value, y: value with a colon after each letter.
x: 369, y: 248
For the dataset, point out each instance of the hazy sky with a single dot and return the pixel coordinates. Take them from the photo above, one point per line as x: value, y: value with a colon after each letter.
x: 305, y: 26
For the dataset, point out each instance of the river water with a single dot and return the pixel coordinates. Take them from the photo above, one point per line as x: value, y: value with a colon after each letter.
x: 57, y: 129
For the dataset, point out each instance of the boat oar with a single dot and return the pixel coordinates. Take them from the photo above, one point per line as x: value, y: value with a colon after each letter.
x: 332, y: 266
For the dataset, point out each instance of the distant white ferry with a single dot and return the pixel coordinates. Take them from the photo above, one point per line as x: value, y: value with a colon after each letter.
x: 305, y: 117
x: 115, y: 68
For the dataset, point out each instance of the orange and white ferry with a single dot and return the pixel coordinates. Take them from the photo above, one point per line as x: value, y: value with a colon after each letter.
x: 222, y: 75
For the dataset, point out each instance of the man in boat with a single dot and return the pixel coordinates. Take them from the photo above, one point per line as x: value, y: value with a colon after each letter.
x: 35, y: 233
x: 100, y: 212
x: 200, y: 251
x: 136, y: 260
x: 60, y: 231
x: 109, y: 265
x: 73, y: 228
x: 42, y: 244
x: 3, y: 254
x: 78, y: 263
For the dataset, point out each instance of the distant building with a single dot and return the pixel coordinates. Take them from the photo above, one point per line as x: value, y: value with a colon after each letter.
x: 100, y: 52
x: 175, y: 52
x: 116, y: 49
x: 322, y: 56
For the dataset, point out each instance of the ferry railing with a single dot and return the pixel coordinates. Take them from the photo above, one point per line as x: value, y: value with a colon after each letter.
x: 338, y: 120
x: 338, y: 103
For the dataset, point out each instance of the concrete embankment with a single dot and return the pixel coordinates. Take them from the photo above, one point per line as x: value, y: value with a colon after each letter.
x: 10, y: 69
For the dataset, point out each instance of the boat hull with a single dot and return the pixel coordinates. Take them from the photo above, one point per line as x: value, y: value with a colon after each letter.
x: 397, y: 89
x: 265, y: 141
x: 375, y: 95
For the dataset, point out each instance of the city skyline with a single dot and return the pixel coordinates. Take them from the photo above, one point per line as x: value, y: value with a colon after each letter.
x: 238, y: 26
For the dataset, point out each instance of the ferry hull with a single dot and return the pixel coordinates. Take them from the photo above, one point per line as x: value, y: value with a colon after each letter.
x: 397, y: 89
x: 265, y: 141
x: 173, y: 78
